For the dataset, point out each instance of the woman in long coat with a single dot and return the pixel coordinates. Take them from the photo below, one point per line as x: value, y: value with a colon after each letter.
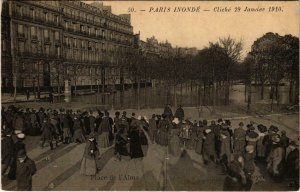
x: 199, y: 139
x: 135, y: 144
x: 174, y: 141
x: 78, y: 133
x: 104, y: 128
x: 152, y: 128
x: 121, y: 143
x: 90, y: 155
x: 209, y: 146
x: 163, y: 131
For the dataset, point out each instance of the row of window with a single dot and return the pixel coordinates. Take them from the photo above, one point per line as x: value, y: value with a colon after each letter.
x: 77, y: 27
x: 73, y: 13
x: 35, y: 33
x: 53, y: 17
x: 37, y: 14
x: 47, y: 50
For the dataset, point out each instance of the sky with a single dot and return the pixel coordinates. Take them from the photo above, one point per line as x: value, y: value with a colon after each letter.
x: 197, y: 29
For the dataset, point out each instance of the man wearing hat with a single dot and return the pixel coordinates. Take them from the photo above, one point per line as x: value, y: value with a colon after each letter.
x: 19, y: 145
x: 225, y: 152
x: 275, y: 159
x: 292, y: 165
x: 239, y: 137
x: 268, y: 142
x: 25, y: 170
x: 90, y: 156
x: 209, y: 146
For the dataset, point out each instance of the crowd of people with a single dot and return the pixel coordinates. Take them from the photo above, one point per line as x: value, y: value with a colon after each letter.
x: 237, y: 150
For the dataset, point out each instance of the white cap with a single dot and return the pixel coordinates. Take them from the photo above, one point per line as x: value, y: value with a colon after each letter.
x: 207, y: 130
x: 176, y: 121
x: 21, y: 135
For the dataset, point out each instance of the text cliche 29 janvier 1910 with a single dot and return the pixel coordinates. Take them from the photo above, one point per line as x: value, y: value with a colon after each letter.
x: 216, y: 9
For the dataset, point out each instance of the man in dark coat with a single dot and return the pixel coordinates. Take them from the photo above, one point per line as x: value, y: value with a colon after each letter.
x: 168, y: 111
x: 239, y: 137
x: 249, y: 166
x: 209, y: 146
x: 86, y: 121
x: 7, y: 151
x: 284, y: 141
x: 92, y: 120
x: 47, y: 133
x: 292, y: 165
x: 152, y: 128
x: 25, y: 170
x: 179, y: 113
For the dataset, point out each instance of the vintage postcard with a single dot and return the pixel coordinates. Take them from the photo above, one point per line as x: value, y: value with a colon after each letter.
x: 149, y: 95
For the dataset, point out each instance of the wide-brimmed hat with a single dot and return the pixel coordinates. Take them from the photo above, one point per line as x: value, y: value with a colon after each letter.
x: 262, y: 128
x: 274, y: 128
x: 21, y: 153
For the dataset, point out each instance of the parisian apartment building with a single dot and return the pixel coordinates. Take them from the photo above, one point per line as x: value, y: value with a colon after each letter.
x: 46, y: 43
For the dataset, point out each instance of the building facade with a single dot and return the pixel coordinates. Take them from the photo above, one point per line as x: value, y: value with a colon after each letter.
x: 45, y: 43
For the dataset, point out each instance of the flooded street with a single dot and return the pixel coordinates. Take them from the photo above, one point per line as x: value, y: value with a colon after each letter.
x: 187, y: 96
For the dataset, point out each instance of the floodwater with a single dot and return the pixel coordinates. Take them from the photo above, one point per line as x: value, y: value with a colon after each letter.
x: 186, y: 95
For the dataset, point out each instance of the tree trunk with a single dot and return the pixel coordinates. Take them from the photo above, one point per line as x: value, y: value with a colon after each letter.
x: 262, y: 90
x: 249, y: 98
x: 291, y: 91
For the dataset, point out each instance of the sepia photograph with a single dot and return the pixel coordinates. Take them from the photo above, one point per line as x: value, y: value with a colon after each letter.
x: 149, y: 95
